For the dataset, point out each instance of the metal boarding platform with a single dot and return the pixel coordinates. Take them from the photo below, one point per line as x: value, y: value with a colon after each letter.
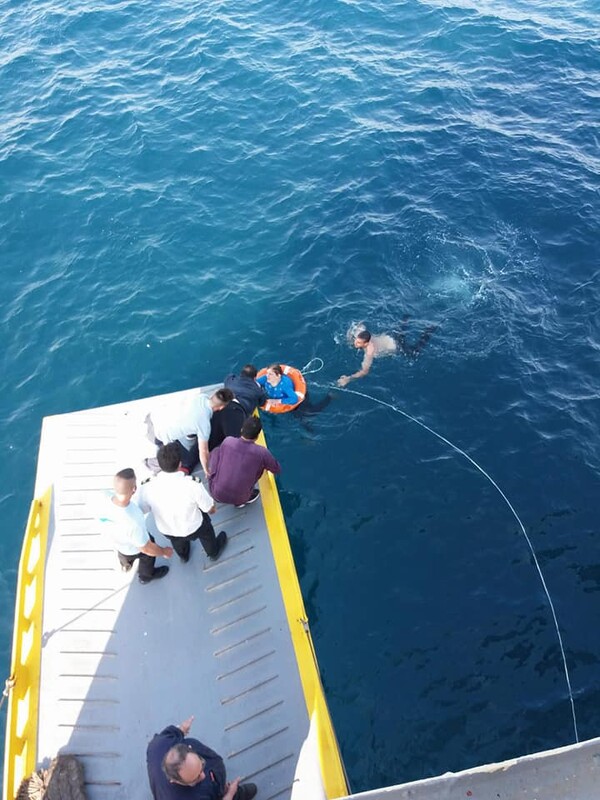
x: 121, y: 660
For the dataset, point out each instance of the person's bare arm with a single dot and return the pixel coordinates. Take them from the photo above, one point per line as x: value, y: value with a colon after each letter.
x: 364, y: 369
x: 153, y: 549
x: 203, y: 452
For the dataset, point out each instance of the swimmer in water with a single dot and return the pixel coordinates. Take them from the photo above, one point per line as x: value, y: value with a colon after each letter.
x: 382, y: 344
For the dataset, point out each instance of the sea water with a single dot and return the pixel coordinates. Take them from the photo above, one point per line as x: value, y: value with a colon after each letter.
x: 189, y: 186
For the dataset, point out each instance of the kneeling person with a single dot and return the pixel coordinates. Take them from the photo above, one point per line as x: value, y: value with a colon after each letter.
x: 181, y: 506
x: 237, y: 464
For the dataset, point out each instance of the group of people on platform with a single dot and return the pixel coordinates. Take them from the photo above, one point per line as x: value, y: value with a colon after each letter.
x: 219, y: 433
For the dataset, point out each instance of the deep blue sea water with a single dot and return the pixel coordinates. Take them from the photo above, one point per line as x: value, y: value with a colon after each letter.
x: 189, y: 186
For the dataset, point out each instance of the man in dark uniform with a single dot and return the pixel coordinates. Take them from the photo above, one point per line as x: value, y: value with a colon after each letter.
x: 181, y: 768
x: 227, y: 422
x: 245, y: 389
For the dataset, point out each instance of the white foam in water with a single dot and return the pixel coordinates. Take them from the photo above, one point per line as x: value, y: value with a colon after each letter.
x: 456, y: 287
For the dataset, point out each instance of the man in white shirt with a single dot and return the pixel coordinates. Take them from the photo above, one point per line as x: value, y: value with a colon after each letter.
x: 188, y: 422
x: 181, y: 506
x: 124, y: 522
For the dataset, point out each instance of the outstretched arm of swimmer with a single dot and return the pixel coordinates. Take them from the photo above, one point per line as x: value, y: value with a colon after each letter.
x: 364, y: 370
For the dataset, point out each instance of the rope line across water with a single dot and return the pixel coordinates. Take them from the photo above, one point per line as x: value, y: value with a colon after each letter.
x: 508, y: 503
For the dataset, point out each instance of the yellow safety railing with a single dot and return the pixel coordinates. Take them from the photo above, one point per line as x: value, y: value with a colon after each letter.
x: 23, y: 697
x: 332, y: 768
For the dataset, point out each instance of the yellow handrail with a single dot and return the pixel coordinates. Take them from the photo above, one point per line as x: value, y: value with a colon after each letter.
x: 23, y: 698
x: 332, y: 768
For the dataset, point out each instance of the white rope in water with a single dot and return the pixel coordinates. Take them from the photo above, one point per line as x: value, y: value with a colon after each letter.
x: 516, y: 516
x: 305, y: 369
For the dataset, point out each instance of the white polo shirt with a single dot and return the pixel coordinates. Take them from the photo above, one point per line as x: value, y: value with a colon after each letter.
x: 126, y: 526
x: 182, y: 419
x: 176, y: 501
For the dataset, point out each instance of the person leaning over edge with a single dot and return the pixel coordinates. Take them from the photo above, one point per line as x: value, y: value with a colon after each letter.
x: 180, y: 505
x: 123, y: 520
x: 245, y: 388
x: 226, y: 422
x: 182, y: 768
x: 187, y: 421
x: 237, y: 465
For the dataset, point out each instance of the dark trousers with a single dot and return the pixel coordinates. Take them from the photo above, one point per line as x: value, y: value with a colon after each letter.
x: 189, y: 458
x: 146, y: 567
x: 412, y: 350
x: 206, y: 534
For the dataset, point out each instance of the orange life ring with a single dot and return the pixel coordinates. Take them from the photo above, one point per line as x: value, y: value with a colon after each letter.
x: 299, y: 387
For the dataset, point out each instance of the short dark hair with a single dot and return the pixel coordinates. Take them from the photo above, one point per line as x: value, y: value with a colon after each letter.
x: 364, y: 336
x: 224, y: 395
x: 126, y: 474
x: 251, y: 428
x: 249, y: 371
x: 174, y: 759
x: 169, y: 457
x: 276, y: 369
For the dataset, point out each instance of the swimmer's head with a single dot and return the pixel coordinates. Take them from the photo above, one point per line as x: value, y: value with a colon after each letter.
x: 362, y: 339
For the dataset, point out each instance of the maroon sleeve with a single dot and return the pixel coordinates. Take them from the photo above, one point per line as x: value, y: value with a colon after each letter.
x: 271, y: 463
x: 214, y: 459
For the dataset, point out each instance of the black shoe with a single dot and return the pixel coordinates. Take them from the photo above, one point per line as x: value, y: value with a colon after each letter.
x: 184, y: 559
x: 246, y: 791
x: 254, y: 495
x: 159, y: 572
x: 221, y: 545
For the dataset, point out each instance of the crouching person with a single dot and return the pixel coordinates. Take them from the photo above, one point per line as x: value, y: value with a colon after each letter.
x: 237, y: 465
x: 182, y: 768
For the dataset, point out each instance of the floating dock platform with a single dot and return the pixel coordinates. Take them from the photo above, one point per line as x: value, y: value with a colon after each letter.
x: 101, y: 663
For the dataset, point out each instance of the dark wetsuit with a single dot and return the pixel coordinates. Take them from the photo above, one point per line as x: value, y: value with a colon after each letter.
x: 411, y: 350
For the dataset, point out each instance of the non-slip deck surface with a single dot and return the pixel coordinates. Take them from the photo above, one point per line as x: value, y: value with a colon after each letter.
x: 120, y: 660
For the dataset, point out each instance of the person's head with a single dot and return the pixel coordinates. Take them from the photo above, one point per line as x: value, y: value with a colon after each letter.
x: 362, y: 339
x: 251, y: 428
x: 124, y: 484
x: 249, y: 371
x: 274, y: 373
x: 169, y: 457
x: 181, y: 765
x: 221, y: 398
